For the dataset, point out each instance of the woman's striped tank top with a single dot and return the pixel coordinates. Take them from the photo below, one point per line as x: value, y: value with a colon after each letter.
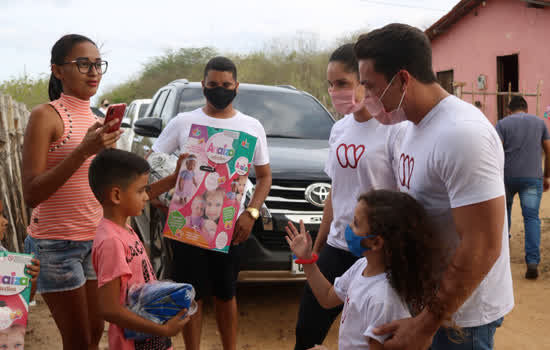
x: 72, y: 212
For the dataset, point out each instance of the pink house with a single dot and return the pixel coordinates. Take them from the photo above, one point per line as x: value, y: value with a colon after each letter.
x: 493, y: 43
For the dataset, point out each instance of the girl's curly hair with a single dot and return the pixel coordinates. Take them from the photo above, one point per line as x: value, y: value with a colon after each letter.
x: 411, y: 248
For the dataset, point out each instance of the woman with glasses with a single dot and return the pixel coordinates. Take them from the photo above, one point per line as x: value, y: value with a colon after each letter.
x: 61, y: 139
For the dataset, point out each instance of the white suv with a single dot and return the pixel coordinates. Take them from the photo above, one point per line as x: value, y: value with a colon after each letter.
x: 136, y: 110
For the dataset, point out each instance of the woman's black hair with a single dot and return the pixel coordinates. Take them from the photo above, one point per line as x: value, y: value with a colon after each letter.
x: 60, y: 51
x: 346, y: 55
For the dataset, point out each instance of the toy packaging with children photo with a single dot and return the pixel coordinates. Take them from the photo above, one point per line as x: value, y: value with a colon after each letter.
x: 210, y: 187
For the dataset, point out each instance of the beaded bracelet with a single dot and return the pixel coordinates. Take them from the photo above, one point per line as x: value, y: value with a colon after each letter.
x: 313, y: 260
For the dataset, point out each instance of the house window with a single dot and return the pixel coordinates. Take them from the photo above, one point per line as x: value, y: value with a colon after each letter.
x: 446, y: 79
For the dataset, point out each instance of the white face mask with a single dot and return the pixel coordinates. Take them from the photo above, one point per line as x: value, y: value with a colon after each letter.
x: 376, y: 108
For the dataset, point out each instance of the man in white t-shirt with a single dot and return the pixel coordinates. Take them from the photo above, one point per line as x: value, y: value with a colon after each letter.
x: 451, y: 160
x: 212, y: 272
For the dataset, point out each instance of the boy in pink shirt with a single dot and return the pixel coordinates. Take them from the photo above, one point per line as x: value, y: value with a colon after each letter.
x: 119, y: 181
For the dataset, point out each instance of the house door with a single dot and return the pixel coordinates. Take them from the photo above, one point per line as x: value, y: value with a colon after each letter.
x: 507, y: 72
x: 446, y: 79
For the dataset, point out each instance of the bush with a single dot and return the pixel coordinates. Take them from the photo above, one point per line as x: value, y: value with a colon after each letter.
x: 30, y: 91
x: 299, y: 61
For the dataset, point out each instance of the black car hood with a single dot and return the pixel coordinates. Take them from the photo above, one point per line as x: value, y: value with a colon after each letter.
x: 297, y: 159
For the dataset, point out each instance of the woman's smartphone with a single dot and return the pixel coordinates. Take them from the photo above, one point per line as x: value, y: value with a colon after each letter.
x: 115, y: 112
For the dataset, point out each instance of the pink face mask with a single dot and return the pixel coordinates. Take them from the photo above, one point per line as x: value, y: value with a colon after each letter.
x: 344, y: 101
x: 376, y: 108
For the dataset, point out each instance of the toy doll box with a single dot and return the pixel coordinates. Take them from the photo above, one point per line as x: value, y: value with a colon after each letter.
x: 210, y: 187
x: 15, y: 290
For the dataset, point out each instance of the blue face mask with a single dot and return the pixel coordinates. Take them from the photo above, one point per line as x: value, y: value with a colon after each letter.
x: 354, y: 242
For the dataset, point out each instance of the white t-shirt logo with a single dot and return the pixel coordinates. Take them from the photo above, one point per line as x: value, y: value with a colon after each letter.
x: 349, y: 155
x: 405, y: 170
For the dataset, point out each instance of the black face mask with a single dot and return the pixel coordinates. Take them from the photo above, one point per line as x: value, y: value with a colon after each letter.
x: 219, y: 96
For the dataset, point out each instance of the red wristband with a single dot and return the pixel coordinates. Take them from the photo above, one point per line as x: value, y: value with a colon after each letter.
x: 313, y: 260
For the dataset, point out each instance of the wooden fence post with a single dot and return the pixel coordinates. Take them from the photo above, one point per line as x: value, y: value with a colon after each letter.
x: 13, y: 119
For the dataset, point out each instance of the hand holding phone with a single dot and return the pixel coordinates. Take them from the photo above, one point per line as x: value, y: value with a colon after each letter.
x: 115, y: 111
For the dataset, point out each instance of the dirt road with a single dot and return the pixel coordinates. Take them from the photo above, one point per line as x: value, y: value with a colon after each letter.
x: 267, y: 313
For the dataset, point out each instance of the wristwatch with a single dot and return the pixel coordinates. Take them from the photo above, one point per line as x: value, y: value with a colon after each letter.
x: 254, y: 213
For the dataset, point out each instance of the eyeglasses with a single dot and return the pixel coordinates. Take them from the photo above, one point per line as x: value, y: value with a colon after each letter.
x: 85, y: 65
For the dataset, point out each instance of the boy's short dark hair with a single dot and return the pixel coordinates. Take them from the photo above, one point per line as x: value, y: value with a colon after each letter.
x: 114, y: 167
x: 398, y: 46
x: 222, y: 64
x: 517, y: 103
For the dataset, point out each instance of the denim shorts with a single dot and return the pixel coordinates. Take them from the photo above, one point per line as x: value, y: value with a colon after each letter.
x: 64, y: 265
x: 474, y: 338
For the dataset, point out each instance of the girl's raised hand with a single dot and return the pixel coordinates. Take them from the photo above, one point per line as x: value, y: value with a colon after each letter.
x: 300, y: 242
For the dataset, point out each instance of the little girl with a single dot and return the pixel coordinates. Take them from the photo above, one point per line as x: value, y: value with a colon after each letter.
x: 187, y: 183
x: 390, y: 231
x: 209, y: 228
x: 197, y: 212
x: 213, y: 204
x: 241, y: 184
x: 232, y: 195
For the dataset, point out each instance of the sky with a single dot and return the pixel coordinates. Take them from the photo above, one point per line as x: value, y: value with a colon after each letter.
x: 130, y: 33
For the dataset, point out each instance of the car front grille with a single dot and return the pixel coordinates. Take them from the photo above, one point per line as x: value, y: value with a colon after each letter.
x: 286, y: 197
x: 275, y: 240
x: 289, y: 196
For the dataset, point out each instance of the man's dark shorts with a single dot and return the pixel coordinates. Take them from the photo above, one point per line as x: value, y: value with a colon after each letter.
x: 209, y: 272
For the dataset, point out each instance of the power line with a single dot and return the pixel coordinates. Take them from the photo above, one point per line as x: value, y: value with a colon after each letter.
x: 403, y: 5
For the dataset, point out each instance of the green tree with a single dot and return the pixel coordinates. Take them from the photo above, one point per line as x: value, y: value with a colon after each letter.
x: 30, y: 91
x: 300, y: 61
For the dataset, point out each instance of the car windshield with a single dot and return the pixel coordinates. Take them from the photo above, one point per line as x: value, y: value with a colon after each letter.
x: 282, y: 114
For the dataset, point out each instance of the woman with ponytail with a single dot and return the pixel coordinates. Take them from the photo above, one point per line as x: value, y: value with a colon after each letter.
x: 357, y: 163
x: 61, y: 139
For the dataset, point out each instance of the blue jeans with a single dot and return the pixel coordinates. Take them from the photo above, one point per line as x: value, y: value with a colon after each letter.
x: 474, y: 338
x: 530, y: 194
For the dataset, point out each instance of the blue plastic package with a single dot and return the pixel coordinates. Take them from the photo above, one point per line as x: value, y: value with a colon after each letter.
x: 159, y: 301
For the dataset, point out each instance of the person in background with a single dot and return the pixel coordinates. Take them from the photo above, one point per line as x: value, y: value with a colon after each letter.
x: 103, y: 106
x: 525, y: 137
x: 357, y: 162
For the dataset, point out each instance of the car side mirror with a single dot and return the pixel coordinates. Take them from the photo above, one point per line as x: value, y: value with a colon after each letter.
x: 149, y: 127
